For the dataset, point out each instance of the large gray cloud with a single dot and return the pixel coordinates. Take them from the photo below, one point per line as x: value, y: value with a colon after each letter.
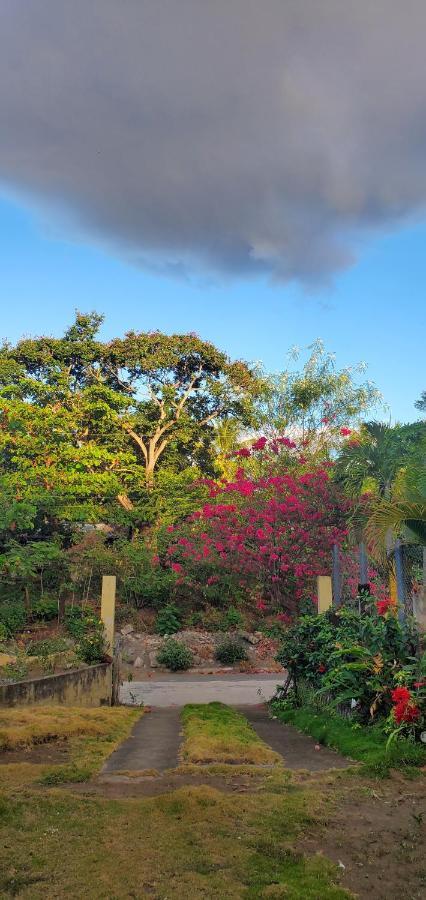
x: 239, y: 136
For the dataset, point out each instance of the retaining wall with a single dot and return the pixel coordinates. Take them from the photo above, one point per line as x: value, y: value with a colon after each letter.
x: 84, y: 687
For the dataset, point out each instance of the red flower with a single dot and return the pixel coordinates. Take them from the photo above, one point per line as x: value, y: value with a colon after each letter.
x: 401, y: 695
x: 406, y: 713
x: 321, y: 667
x: 383, y: 606
x: 345, y: 432
x: 260, y: 444
x: 176, y: 567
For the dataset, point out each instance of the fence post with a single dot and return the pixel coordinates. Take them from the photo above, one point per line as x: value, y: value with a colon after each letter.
x: 108, y: 610
x: 336, y: 576
x: 324, y: 593
x: 400, y: 581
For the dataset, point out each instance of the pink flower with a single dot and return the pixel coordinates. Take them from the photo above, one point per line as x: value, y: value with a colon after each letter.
x: 260, y: 444
x: 176, y: 567
x: 345, y: 432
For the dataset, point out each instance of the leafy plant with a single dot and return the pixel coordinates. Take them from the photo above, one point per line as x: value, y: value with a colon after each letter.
x: 175, y: 656
x: 46, y: 609
x: 47, y: 646
x: 168, y: 620
x: 13, y: 617
x: 232, y: 619
x: 91, y: 647
x: 231, y: 652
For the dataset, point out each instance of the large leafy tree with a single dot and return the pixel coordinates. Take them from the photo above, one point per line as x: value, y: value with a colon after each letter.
x: 85, y: 423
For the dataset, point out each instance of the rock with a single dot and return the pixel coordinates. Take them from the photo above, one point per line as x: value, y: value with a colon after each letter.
x: 138, y: 662
x: 153, y: 661
x: 127, y: 629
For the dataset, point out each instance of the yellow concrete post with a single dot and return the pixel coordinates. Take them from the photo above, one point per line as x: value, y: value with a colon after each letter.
x: 108, y: 609
x: 324, y: 593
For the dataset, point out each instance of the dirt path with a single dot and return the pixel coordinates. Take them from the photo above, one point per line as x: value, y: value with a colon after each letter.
x: 298, y: 750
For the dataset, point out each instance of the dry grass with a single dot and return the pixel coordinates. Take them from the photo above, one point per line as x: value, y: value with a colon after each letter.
x: 22, y: 728
x: 215, y: 733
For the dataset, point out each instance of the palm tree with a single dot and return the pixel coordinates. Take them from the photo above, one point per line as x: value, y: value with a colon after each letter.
x: 373, y: 462
x: 404, y: 513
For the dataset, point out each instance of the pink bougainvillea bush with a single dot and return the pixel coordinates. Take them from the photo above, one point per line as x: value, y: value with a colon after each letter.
x: 260, y: 540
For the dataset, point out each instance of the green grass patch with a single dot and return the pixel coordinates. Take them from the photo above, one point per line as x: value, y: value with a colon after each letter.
x: 215, y: 733
x: 365, y: 744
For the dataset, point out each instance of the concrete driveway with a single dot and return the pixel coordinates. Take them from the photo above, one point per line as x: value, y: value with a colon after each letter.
x: 176, y: 690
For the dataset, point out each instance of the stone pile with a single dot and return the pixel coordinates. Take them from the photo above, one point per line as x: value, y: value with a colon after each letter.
x: 139, y: 651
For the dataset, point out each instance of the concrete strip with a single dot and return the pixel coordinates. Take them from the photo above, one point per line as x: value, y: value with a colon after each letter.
x: 297, y: 749
x: 153, y: 744
x: 236, y: 690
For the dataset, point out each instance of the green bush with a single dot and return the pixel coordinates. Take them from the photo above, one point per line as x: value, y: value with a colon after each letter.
x: 3, y: 633
x: 231, y: 652
x: 168, y: 620
x: 13, y: 617
x: 46, y: 609
x: 79, y: 620
x: 46, y: 647
x: 175, y: 656
x: 349, y: 656
x: 91, y: 647
x: 232, y: 619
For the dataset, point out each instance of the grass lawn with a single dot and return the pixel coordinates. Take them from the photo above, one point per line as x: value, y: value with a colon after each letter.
x: 215, y: 733
x: 364, y: 744
x: 264, y: 834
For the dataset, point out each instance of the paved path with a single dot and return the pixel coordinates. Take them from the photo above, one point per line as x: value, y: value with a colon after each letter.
x: 297, y: 749
x: 176, y: 690
x: 153, y: 744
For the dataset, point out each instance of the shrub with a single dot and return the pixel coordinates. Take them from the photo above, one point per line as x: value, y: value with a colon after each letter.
x: 168, y: 620
x: 232, y: 619
x: 175, y: 656
x: 347, y: 656
x: 91, y: 647
x: 3, y: 632
x: 46, y: 647
x: 231, y: 652
x: 79, y: 620
x: 46, y: 609
x: 13, y: 617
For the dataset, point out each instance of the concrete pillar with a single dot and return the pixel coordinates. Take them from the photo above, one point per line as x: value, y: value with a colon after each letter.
x: 108, y: 609
x: 324, y: 593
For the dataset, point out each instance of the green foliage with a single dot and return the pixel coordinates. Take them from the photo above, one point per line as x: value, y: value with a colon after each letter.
x: 231, y: 652
x: 47, y: 646
x: 349, y: 656
x: 175, y: 656
x: 3, y: 632
x: 367, y: 744
x: 78, y: 620
x: 91, y: 647
x: 319, y: 395
x: 168, y: 620
x: 232, y: 619
x: 45, y: 609
x: 13, y: 617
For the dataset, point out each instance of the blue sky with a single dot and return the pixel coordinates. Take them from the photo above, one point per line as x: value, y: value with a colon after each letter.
x: 374, y: 312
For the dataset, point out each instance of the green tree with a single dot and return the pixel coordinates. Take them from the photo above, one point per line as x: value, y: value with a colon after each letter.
x: 421, y: 404
x: 320, y: 398
x: 84, y: 423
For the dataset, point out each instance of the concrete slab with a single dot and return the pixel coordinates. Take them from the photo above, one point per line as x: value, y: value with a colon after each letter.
x: 297, y: 749
x: 176, y: 691
x: 153, y: 744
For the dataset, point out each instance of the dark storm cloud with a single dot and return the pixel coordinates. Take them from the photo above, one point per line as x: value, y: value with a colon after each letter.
x: 238, y: 136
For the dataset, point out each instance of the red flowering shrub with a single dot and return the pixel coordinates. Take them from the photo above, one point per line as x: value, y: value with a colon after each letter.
x: 262, y: 539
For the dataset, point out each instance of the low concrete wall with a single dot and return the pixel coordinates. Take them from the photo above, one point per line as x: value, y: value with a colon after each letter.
x: 84, y: 687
